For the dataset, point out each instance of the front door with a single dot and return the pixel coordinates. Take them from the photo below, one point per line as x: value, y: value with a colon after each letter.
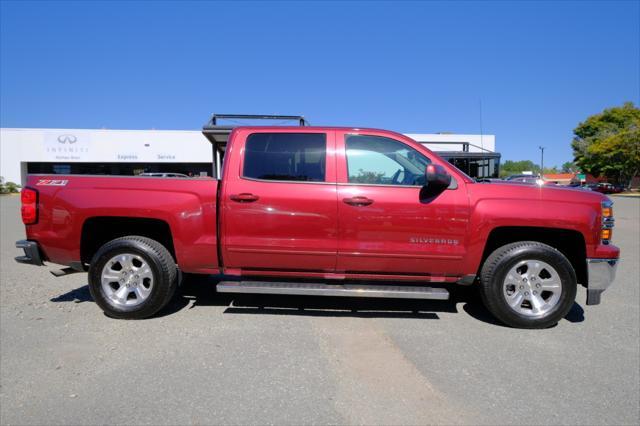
x: 384, y: 226
x: 279, y: 202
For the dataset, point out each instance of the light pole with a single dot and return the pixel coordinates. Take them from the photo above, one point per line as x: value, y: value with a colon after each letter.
x: 541, y: 162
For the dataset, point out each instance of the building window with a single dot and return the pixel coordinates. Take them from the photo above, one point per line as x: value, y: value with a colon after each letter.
x: 119, y: 169
x: 286, y: 156
x: 62, y: 169
x: 477, y: 167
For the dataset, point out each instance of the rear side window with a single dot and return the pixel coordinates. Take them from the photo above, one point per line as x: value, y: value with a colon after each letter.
x: 286, y: 156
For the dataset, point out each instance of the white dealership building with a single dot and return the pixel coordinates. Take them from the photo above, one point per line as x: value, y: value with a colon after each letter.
x: 130, y: 152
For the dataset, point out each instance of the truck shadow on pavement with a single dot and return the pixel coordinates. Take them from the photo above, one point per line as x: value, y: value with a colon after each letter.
x: 78, y: 295
x: 199, y: 291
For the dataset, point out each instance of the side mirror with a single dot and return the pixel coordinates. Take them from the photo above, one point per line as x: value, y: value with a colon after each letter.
x: 436, y: 178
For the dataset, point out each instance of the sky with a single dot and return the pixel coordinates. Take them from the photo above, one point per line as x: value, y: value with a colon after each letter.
x: 536, y: 68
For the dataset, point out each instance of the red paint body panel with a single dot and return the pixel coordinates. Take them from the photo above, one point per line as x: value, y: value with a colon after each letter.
x: 507, y: 205
x: 188, y: 206
x: 292, y: 225
x: 304, y: 229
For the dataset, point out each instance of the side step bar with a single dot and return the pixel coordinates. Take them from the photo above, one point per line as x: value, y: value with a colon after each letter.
x: 347, y: 290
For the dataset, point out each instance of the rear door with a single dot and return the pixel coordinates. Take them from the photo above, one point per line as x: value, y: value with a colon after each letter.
x: 279, y: 205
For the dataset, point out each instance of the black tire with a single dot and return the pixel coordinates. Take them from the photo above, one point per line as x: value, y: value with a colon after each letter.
x: 495, y: 270
x: 163, y: 268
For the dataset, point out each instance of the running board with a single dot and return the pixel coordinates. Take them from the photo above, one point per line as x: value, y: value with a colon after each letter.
x: 347, y: 290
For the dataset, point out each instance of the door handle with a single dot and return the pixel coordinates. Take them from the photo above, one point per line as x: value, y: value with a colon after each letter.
x: 358, y: 201
x: 245, y: 197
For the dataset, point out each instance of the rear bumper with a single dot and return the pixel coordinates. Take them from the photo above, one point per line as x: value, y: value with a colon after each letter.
x: 601, y: 273
x: 31, y: 253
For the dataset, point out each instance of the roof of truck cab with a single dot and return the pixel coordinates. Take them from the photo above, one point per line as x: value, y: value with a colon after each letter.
x: 220, y: 134
x: 303, y: 128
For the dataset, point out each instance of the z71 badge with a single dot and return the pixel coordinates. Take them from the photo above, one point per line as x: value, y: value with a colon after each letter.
x: 52, y: 182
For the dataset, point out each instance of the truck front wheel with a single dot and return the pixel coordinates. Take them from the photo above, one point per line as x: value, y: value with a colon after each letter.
x: 528, y: 285
x: 132, y: 277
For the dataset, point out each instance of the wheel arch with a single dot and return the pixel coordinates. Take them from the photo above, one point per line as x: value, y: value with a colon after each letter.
x: 570, y: 243
x: 98, y: 230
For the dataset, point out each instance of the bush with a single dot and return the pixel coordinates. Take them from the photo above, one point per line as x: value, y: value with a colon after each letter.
x: 12, y: 187
x: 8, y: 187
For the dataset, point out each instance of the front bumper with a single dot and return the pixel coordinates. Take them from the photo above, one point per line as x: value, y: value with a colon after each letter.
x: 601, y: 273
x: 31, y: 253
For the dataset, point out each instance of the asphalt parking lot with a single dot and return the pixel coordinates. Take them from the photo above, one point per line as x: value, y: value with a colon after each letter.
x: 216, y: 359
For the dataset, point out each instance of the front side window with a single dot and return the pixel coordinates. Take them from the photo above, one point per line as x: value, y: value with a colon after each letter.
x: 286, y: 156
x: 382, y: 161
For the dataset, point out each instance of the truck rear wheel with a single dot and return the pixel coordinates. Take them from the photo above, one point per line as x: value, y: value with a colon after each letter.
x: 528, y: 285
x: 132, y: 277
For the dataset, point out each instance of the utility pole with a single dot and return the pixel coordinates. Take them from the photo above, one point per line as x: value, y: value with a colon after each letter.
x: 541, y: 161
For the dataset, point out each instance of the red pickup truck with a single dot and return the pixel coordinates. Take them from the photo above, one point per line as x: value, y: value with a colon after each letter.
x: 324, y: 211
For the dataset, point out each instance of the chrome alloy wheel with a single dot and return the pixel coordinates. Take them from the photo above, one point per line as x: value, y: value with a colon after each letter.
x: 532, y: 288
x: 127, y: 280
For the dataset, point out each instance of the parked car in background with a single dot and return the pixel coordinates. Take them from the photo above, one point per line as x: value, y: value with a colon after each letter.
x: 603, y: 188
x: 620, y: 188
x: 520, y: 176
x: 171, y: 175
x: 489, y: 180
x: 617, y: 189
x: 531, y: 180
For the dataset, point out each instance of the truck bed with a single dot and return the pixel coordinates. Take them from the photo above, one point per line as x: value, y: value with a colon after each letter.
x: 182, y: 210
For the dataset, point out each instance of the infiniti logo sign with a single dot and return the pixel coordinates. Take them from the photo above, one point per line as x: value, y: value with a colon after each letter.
x: 71, y: 146
x: 67, y: 139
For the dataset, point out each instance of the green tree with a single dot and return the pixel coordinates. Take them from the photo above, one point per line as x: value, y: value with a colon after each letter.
x: 8, y: 187
x: 569, y: 167
x: 510, y: 167
x: 609, y: 143
x: 367, y: 177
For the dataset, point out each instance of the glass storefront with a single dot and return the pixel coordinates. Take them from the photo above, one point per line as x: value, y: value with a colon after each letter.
x: 476, y: 165
x: 122, y: 169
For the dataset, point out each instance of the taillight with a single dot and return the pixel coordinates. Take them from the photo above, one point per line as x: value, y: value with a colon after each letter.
x: 607, y: 222
x: 29, y: 198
